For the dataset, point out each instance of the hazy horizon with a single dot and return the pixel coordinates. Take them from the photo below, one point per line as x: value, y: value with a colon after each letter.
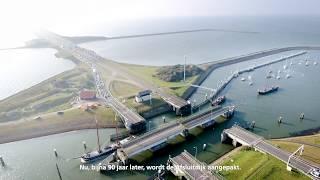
x: 21, y: 18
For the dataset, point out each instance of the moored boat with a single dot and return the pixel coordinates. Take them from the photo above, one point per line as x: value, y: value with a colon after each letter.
x: 218, y: 101
x: 268, y: 90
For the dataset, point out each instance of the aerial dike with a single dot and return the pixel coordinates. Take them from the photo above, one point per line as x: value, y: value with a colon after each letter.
x: 209, y: 67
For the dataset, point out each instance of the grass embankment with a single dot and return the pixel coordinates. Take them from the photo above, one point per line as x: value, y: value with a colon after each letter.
x: 311, y: 146
x: 52, y: 123
x: 126, y: 92
x: 256, y: 165
x: 51, y: 95
x: 147, y: 73
x: 44, y: 101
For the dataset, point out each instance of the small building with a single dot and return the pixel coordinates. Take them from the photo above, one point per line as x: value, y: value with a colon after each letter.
x: 143, y: 96
x: 87, y: 95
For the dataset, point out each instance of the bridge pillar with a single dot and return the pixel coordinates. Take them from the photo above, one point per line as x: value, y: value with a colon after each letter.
x: 185, y: 133
x: 234, y: 142
x: 224, y: 136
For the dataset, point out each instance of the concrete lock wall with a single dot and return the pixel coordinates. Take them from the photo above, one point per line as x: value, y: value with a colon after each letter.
x: 185, y: 133
x: 224, y: 137
x: 234, y: 142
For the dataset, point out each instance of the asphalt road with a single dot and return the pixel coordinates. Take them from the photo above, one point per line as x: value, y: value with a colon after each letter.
x: 259, y: 143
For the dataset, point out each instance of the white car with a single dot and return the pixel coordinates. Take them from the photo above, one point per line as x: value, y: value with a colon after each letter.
x: 315, y: 173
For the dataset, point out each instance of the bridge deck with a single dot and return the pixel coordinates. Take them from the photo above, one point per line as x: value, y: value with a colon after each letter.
x: 126, y: 113
x: 261, y: 144
x: 173, y: 100
x: 199, y: 170
x: 160, y: 135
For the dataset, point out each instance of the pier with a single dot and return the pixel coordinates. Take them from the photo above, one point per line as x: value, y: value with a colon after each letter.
x: 239, y: 135
x: 199, y: 172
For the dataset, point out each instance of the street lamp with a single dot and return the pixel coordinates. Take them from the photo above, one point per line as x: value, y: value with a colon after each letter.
x: 195, y: 147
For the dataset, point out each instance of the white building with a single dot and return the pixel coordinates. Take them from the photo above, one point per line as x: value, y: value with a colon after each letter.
x: 143, y: 96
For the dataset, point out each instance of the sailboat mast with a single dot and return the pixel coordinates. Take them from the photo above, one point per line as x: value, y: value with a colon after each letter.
x: 117, y: 131
x: 98, y: 139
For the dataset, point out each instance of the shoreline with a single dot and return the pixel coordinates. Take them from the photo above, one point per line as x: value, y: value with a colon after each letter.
x: 50, y: 129
x: 211, y: 66
x: 54, y: 132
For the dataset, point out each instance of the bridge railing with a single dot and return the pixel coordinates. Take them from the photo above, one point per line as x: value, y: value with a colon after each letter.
x: 150, y: 133
x: 246, y: 131
x: 195, y: 116
x: 167, y: 126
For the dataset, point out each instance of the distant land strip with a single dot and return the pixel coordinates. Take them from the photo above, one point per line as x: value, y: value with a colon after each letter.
x: 179, y: 32
x: 37, y: 43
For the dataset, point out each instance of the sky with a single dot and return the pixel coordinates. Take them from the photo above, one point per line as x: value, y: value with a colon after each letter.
x: 21, y: 18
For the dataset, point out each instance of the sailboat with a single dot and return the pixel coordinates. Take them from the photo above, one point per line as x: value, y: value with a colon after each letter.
x: 285, y: 66
x: 288, y: 76
x: 99, y: 153
x: 250, y: 80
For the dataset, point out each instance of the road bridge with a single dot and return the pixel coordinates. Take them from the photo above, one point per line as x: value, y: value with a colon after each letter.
x: 131, y: 119
x: 161, y: 135
x: 187, y: 166
x: 177, y: 104
x: 247, y: 138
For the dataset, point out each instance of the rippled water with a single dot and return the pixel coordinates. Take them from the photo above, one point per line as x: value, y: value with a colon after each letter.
x: 23, y: 68
x: 297, y: 94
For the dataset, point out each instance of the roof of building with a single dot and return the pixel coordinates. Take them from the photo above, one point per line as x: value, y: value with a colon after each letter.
x: 144, y: 93
x: 86, y: 94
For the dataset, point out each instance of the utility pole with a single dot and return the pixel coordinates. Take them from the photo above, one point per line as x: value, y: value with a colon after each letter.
x: 58, y: 171
x: 184, y: 68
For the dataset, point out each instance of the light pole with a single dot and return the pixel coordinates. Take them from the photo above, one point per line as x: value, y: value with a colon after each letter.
x: 184, y: 69
x: 195, y: 147
x: 301, y: 148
